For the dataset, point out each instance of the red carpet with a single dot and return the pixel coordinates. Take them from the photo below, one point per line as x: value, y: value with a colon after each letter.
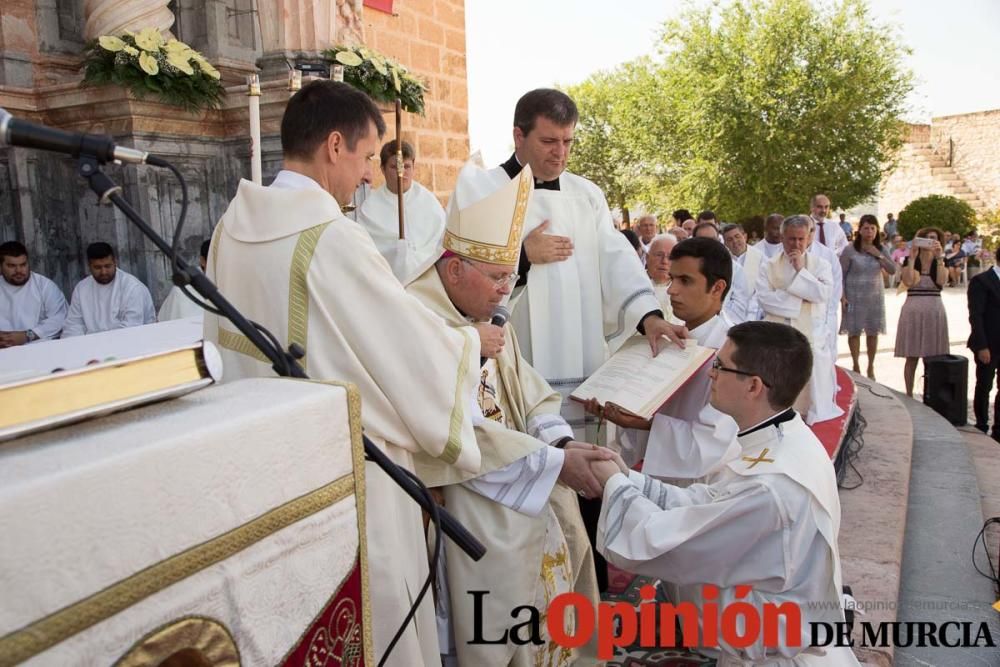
x: 831, y: 432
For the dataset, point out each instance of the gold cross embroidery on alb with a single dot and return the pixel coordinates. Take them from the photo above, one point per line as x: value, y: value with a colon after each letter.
x: 760, y: 459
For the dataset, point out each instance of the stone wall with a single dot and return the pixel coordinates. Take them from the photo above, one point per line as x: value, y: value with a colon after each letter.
x: 953, y: 155
x: 976, y: 138
x: 46, y: 205
x: 428, y: 36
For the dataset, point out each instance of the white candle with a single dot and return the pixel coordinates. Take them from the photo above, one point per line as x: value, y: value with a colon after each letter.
x: 253, y: 94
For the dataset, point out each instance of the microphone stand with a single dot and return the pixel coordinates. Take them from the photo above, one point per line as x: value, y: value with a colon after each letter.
x: 284, y: 362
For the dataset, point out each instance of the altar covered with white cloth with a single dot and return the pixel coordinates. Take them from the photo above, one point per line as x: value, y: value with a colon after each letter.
x: 224, y: 525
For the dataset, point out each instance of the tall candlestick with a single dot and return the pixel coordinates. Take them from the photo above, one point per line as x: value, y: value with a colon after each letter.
x: 253, y: 95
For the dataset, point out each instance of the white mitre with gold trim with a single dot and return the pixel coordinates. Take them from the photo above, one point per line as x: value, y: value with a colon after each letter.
x: 485, y: 222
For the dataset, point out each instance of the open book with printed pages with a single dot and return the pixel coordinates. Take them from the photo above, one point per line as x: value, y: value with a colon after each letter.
x: 639, y: 382
x: 42, y: 402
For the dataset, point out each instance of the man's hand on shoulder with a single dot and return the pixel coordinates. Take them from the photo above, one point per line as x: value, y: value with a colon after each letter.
x: 542, y: 248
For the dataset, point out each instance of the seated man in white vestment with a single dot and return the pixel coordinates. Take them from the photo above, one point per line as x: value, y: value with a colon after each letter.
x: 687, y: 438
x: 739, y: 305
x: 177, y: 306
x: 109, y: 298
x: 768, y: 519
x: 770, y: 245
x: 529, y: 522
x: 287, y: 258
x: 658, y: 270
x: 423, y: 217
x: 748, y: 258
x: 31, y: 306
x: 794, y: 287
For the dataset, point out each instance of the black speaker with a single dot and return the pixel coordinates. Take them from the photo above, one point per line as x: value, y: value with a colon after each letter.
x: 946, y: 387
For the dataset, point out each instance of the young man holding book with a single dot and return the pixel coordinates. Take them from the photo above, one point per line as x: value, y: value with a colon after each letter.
x: 768, y: 519
x: 687, y: 438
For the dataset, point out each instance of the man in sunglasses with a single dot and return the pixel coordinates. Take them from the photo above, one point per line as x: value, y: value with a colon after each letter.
x: 768, y: 519
x: 522, y: 502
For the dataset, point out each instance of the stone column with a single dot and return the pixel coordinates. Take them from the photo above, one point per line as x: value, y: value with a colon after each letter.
x: 113, y: 17
x: 300, y: 30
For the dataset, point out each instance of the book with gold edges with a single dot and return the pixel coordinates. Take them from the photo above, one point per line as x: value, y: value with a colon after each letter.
x: 639, y: 382
x: 47, y: 401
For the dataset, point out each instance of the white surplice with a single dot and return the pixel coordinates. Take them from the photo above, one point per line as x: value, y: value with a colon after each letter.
x: 124, y: 302
x: 769, y: 519
x: 689, y: 438
x: 424, y: 219
x: 750, y: 261
x: 801, y: 299
x: 572, y: 314
x: 37, y: 305
x: 833, y: 306
x: 178, y: 307
x: 769, y: 250
x: 287, y: 258
x: 739, y: 304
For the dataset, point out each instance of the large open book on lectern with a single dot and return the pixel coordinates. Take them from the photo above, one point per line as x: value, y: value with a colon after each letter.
x: 639, y: 382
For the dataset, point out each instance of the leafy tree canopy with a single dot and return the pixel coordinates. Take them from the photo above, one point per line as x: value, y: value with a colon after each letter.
x: 946, y: 213
x: 752, y: 107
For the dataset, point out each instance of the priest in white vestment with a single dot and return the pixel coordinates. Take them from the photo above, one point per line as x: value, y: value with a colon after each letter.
x: 658, y: 270
x: 518, y: 503
x: 833, y: 306
x: 109, y: 298
x: 770, y: 245
x: 287, y: 258
x: 687, y: 438
x: 769, y: 519
x: 177, y: 306
x: 423, y: 216
x: 32, y: 308
x: 646, y: 228
x: 748, y: 258
x: 582, y: 290
x: 795, y: 288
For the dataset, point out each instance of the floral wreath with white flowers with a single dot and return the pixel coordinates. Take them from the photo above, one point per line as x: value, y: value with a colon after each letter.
x: 383, y: 79
x: 147, y: 64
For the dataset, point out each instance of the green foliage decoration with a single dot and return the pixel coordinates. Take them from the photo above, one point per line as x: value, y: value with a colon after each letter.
x: 946, y: 213
x: 148, y: 65
x: 383, y: 79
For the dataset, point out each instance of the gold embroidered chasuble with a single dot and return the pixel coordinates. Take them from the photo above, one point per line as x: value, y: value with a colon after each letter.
x: 514, y: 540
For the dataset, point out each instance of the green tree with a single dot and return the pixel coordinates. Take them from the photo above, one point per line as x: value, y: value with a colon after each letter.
x: 611, y: 145
x: 946, y: 213
x: 756, y: 105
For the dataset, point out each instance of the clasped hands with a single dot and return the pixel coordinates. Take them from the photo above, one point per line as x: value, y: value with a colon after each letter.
x: 587, y: 468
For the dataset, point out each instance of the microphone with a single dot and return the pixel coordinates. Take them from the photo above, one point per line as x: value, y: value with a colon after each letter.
x: 16, y: 132
x: 500, y: 317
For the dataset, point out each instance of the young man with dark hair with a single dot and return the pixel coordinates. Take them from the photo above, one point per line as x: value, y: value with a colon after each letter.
x: 770, y: 245
x: 680, y: 215
x: 31, y: 306
x: 423, y: 216
x: 287, y: 257
x: 687, y: 438
x: 109, y: 298
x: 767, y: 519
x: 707, y: 216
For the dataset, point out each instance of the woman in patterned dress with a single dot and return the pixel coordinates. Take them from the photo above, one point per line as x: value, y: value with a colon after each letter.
x: 864, y: 295
x: 923, y: 323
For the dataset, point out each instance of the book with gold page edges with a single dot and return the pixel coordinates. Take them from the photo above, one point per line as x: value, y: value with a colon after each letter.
x: 47, y: 401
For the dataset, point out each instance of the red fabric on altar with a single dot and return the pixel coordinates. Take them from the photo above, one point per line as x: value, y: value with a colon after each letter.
x: 336, y: 637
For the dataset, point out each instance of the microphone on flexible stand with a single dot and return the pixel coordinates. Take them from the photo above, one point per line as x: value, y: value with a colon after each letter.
x: 500, y: 317
x: 101, y: 147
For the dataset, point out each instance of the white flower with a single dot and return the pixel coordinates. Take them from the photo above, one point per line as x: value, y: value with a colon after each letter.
x: 180, y: 61
x: 349, y: 58
x: 148, y: 64
x: 109, y: 43
x: 149, y: 39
